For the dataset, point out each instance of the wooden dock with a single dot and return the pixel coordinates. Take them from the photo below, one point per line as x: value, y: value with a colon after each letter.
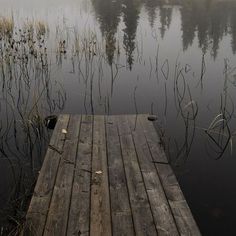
x: 107, y: 175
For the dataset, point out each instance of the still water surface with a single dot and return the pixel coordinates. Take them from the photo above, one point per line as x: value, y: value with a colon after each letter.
x: 175, y: 59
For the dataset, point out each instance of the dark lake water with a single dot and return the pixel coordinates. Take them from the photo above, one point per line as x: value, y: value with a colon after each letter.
x: 175, y: 59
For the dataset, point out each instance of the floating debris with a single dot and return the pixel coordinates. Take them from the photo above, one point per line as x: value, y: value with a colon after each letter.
x: 64, y: 131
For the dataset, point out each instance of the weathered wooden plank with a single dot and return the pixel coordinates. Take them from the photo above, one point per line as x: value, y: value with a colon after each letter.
x: 37, y: 212
x: 162, y: 214
x: 145, y: 196
x: 59, y: 207
x: 122, y: 223
x: 153, y: 140
x: 100, y: 221
x: 142, y: 215
x: 79, y: 216
x: 179, y: 207
x: 183, y: 216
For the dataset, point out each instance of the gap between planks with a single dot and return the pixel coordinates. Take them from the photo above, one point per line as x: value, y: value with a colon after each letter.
x: 109, y: 177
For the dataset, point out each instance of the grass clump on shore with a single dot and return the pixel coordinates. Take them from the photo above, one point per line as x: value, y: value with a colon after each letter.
x: 6, y: 26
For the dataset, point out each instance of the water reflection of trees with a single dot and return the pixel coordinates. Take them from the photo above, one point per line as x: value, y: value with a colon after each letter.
x: 165, y: 14
x: 131, y: 10
x: 233, y: 27
x: 108, y: 14
x: 208, y: 20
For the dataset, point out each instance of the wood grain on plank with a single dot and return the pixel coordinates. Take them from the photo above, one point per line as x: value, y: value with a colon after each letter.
x: 181, y: 211
x: 162, y: 214
x: 122, y: 223
x: 79, y: 216
x: 153, y: 139
x: 100, y: 221
x: 142, y: 215
x: 183, y: 217
x: 59, y: 207
x: 38, y: 209
x: 107, y: 177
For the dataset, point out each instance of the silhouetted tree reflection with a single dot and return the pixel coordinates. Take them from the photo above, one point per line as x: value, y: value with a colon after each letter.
x: 202, y: 26
x: 151, y: 8
x: 208, y: 20
x: 165, y: 13
x: 218, y: 25
x: 188, y: 23
x: 108, y: 14
x: 131, y: 10
x: 233, y: 28
x: 165, y: 18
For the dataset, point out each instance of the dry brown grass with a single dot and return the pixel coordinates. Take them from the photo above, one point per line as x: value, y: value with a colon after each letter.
x: 6, y: 26
x: 41, y: 28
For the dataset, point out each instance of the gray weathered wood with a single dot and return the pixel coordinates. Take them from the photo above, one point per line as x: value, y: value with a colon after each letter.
x: 37, y: 212
x: 122, y: 223
x: 153, y: 139
x: 162, y: 214
x: 142, y: 215
x: 183, y: 216
x: 100, y: 222
x: 59, y: 207
x: 107, y: 177
x: 79, y: 216
x: 179, y: 207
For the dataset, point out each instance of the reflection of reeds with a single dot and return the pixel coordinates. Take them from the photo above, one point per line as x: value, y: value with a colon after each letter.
x: 157, y: 63
x: 26, y: 97
x: 165, y: 69
x: 135, y: 101
x: 203, y: 71
x: 219, y: 133
x: 29, y: 88
x: 187, y: 112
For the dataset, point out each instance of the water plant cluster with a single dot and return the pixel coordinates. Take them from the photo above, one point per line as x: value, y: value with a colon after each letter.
x: 27, y: 95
